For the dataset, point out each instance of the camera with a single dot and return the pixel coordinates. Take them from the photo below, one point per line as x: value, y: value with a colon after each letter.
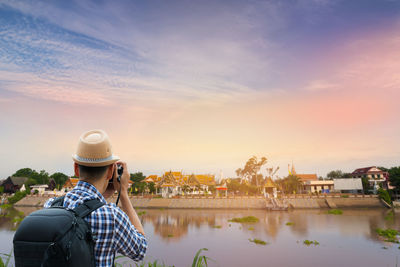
x: 120, y: 170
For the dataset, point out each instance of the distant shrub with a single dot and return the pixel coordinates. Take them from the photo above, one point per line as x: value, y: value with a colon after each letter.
x: 289, y: 223
x: 344, y: 196
x: 16, y: 197
x: 383, y: 194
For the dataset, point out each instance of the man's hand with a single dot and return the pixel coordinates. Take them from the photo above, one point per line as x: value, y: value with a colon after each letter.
x: 123, y: 185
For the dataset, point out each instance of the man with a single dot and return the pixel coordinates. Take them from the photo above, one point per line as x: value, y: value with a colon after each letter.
x: 115, y: 230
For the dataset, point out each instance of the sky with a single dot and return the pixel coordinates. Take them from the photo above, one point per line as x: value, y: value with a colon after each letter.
x: 201, y: 86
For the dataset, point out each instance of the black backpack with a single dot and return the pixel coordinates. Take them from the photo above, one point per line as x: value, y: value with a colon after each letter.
x: 56, y: 236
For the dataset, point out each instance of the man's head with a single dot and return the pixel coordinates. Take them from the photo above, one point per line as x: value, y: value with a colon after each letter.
x: 94, y: 160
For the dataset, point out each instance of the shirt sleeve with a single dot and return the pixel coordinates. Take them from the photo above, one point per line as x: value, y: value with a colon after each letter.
x: 48, y: 203
x: 127, y: 240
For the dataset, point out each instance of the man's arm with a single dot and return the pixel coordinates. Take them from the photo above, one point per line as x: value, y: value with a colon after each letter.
x: 126, y: 204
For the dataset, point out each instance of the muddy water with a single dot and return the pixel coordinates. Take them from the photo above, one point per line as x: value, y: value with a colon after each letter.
x: 174, y: 237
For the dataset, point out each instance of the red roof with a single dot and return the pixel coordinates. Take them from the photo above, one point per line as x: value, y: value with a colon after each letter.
x: 367, y: 170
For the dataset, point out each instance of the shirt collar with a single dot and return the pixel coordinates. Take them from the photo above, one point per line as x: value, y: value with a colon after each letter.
x: 89, y: 189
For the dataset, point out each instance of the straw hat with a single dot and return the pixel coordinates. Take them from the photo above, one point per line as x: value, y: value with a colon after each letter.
x: 94, y: 150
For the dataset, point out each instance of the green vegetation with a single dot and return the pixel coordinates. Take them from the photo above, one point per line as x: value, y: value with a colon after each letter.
x: 389, y: 216
x: 251, y: 228
x: 6, y: 257
x: 289, y: 223
x: 344, y: 196
x: 335, y: 212
x: 217, y: 226
x: 310, y: 242
x: 389, y: 234
x: 170, y: 235
x: 17, y: 197
x: 338, y: 174
x: 141, y: 213
x: 247, y: 219
x: 289, y: 185
x: 1, y: 190
x: 383, y: 194
x: 5, y: 206
x: 200, y: 260
x: 258, y: 241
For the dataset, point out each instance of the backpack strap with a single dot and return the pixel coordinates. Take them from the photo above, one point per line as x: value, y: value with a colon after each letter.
x: 58, y: 202
x: 87, y: 207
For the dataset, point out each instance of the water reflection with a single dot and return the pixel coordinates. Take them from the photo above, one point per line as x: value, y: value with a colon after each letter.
x: 173, y: 225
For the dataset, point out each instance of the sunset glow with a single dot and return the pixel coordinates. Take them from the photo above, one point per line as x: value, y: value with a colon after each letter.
x: 201, y: 87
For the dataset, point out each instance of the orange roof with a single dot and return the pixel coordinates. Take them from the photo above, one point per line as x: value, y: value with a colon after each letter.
x: 307, y: 177
x: 71, y: 182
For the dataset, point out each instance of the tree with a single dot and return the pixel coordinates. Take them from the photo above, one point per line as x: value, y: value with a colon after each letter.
x: 290, y: 184
x: 251, y: 169
x: 24, y: 172
x: 394, y: 177
x: 335, y: 174
x: 1, y: 190
x: 366, y: 185
x: 138, y: 185
x: 60, y: 179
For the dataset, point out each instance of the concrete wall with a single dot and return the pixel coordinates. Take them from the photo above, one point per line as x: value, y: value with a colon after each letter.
x: 232, y: 203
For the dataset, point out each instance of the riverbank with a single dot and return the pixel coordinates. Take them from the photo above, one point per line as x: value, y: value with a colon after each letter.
x: 295, y: 202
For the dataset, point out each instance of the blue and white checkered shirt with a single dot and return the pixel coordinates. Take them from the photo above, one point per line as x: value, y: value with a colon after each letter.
x: 110, y: 225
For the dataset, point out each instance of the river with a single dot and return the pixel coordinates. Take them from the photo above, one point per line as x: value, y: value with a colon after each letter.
x: 174, y: 236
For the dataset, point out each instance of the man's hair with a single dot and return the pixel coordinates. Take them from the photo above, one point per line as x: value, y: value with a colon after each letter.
x: 92, y: 173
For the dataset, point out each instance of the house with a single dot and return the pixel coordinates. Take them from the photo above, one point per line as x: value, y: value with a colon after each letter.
x: 318, y: 186
x: 376, y: 177
x: 12, y: 184
x: 40, y: 188
x: 172, y: 183
x: 348, y: 185
x: 70, y: 183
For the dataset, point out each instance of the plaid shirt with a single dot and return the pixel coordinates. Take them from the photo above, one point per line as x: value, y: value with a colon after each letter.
x: 110, y: 225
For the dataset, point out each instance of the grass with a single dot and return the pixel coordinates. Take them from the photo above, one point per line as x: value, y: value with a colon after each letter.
x: 7, y: 258
x: 198, y: 261
x: 389, y: 234
x: 310, y: 242
x: 289, y: 223
x: 335, y: 212
x: 247, y: 219
x: 258, y: 241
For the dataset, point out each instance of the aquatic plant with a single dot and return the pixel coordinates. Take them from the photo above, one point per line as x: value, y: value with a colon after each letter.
x: 389, y: 234
x: 289, y: 223
x: 389, y: 216
x: 310, y: 242
x: 247, y: 219
x: 7, y: 258
x: 335, y: 211
x: 200, y: 260
x: 258, y: 241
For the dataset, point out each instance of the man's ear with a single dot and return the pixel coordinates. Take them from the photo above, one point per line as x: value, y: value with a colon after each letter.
x: 110, y: 171
x: 76, y: 169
